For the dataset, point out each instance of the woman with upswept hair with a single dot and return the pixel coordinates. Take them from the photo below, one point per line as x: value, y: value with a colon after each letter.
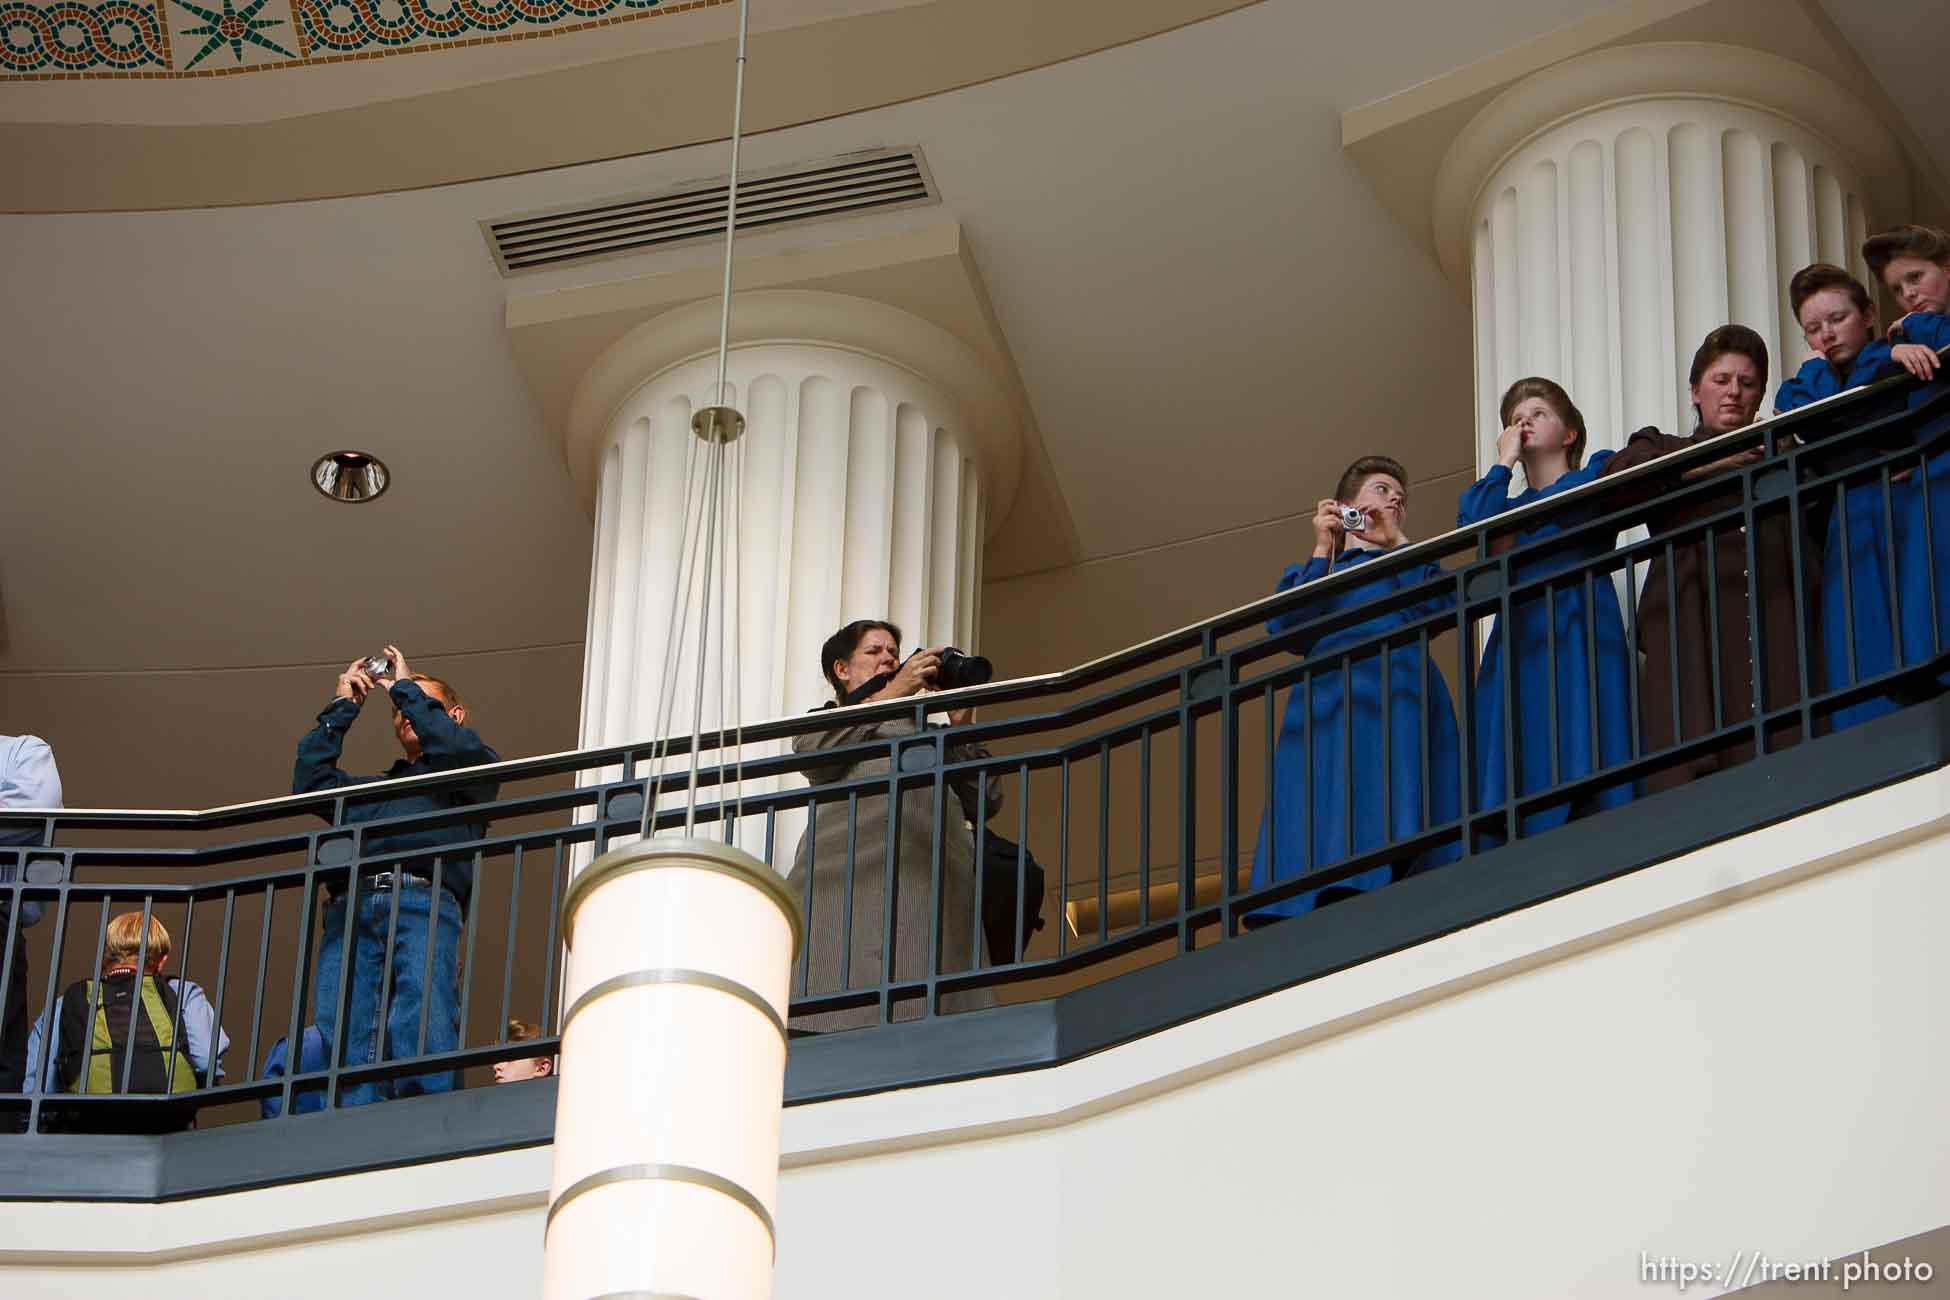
x: 1565, y: 655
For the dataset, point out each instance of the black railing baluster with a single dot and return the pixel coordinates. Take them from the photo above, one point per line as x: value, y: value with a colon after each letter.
x: 1797, y: 531
x: 1063, y: 839
x: 1929, y: 550
x: 846, y: 888
x: 981, y: 825
x: 1715, y: 651
x: 1892, y: 578
x: 1466, y: 749
x: 1552, y: 723
x: 1675, y: 672
x: 1387, y: 667
x: 1591, y: 682
x: 426, y: 969
x: 257, y: 989
x: 94, y: 1002
x: 176, y: 1017
x: 10, y: 933
x: 1756, y: 625
x: 135, y: 1002
x: 1144, y: 823
x: 1103, y: 842
x: 294, y: 1037
x: 890, y: 883
x: 341, y: 1001
x: 45, y: 1075
x: 552, y: 967
x: 1632, y: 651
x: 1187, y: 821
x: 1022, y: 865
x: 471, y: 929
x: 508, y: 954
x: 1506, y: 632
x: 1348, y: 848
x: 1844, y: 533
x: 941, y: 793
x: 805, y: 896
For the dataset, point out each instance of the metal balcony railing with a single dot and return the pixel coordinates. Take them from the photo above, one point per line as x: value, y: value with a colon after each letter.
x: 1141, y: 783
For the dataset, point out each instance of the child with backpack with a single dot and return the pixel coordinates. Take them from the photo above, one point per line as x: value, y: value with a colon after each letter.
x: 131, y: 1025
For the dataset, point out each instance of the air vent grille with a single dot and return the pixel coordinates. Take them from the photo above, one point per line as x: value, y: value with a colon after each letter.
x: 837, y: 187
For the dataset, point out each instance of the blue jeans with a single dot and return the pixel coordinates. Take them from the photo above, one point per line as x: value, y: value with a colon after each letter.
x: 412, y: 987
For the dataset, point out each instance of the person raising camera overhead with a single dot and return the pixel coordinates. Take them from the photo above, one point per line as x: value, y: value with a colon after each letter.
x: 862, y: 663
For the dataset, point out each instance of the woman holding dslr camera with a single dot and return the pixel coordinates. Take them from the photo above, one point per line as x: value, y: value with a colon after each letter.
x: 862, y: 662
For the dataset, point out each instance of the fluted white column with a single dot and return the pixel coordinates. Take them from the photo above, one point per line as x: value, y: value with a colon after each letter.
x: 875, y: 455
x: 1618, y: 207
x: 873, y: 463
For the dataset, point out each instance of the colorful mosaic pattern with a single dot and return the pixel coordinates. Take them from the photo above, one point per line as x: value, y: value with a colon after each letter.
x: 360, y: 24
x: 233, y: 29
x: 70, y: 37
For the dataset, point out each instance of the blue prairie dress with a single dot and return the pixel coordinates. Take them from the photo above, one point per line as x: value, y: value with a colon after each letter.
x: 1331, y: 739
x: 1923, y: 524
x: 1866, y: 587
x: 1556, y: 629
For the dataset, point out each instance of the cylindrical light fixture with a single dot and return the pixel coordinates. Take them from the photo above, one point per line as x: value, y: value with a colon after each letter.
x: 673, y: 1074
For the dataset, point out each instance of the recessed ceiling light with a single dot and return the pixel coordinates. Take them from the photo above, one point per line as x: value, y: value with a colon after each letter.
x: 350, y: 476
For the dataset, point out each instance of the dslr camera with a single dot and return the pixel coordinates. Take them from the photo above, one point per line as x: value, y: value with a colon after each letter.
x: 958, y: 670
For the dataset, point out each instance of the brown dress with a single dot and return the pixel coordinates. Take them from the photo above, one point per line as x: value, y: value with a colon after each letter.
x: 1673, y: 616
x: 824, y: 854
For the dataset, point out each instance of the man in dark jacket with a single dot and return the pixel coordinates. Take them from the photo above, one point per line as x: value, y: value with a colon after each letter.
x: 418, y: 898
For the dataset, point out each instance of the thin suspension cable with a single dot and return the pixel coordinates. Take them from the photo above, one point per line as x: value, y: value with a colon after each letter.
x: 674, y: 637
x: 714, y: 483
x: 735, y: 571
x: 731, y: 201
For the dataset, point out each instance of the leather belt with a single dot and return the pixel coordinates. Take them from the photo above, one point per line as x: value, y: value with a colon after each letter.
x: 386, y: 880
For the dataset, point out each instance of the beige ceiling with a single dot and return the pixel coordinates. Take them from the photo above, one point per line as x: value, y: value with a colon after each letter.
x: 377, y: 125
x: 1209, y: 308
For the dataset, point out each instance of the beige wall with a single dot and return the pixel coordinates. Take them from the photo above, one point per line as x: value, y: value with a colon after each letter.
x: 1738, y: 1049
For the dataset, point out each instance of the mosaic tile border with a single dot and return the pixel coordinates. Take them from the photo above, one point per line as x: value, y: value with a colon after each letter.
x: 73, y: 36
x: 544, y: 18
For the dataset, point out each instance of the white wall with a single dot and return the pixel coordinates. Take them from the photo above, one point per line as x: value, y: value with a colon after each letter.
x: 1738, y: 1050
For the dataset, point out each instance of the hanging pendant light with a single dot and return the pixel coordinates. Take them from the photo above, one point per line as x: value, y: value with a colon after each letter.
x: 674, y: 1042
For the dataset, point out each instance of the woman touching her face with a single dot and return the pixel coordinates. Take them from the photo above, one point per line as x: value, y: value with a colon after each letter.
x: 1544, y: 432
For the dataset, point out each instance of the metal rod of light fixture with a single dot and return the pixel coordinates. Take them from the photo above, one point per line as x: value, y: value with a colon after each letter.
x: 731, y: 202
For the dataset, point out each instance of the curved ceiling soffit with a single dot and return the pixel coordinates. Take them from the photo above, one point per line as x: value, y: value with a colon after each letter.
x: 613, y: 90
x: 1655, y: 70
x: 801, y: 316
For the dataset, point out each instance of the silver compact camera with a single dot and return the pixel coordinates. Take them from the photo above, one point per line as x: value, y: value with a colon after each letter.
x: 1354, y: 519
x: 378, y: 667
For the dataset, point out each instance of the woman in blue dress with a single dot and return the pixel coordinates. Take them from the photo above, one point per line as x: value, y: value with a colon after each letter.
x: 1330, y: 754
x: 1838, y: 320
x: 1913, y: 263
x: 1563, y: 632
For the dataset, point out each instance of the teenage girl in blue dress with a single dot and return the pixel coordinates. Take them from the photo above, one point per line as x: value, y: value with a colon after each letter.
x: 1572, y: 633
x: 1330, y: 751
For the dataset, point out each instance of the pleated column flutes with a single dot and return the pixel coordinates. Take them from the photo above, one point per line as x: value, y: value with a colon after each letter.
x: 1608, y: 247
x: 1610, y: 211
x: 859, y: 497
